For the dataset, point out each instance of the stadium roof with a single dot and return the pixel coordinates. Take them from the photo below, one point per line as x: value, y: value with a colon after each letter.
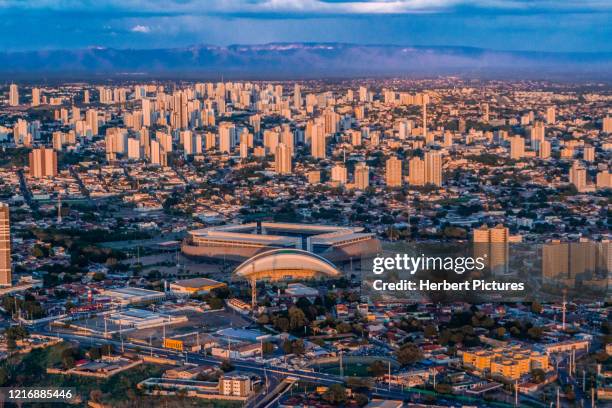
x: 278, y: 263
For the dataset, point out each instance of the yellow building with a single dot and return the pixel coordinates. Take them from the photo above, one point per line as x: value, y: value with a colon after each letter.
x: 393, y: 173
x: 174, y: 344
x: 506, y: 368
x: 481, y: 360
x: 492, y: 245
x: 236, y: 385
x: 510, y: 363
x: 565, y: 346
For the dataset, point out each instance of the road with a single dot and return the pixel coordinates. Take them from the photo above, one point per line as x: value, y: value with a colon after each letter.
x: 25, y: 192
x: 271, y: 375
x: 566, y: 378
x: 274, y: 375
x: 80, y: 183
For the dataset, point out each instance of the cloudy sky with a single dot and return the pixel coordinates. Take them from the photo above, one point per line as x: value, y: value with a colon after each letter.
x: 540, y: 25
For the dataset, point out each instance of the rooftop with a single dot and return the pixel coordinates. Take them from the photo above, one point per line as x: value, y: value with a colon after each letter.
x: 197, y: 283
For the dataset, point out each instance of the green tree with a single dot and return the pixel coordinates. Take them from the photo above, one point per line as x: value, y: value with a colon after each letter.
x: 430, y: 331
x: 377, y: 368
x: 408, y: 353
x: 17, y: 332
x: 99, y: 276
x: 297, y: 318
x: 215, y: 303
x: 335, y: 394
x: 535, y: 333
x: 344, y: 327
x: 4, y: 376
x: 360, y: 399
x: 538, y: 375
x: 68, y: 358
x: 282, y: 324
x: 267, y: 347
x: 38, y: 251
x: 11, y: 343
x: 94, y: 353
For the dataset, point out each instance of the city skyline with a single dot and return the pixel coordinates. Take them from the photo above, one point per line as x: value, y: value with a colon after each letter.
x: 229, y: 228
x: 321, y: 203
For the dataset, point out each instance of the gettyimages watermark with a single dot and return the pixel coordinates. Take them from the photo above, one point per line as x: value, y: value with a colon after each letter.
x: 487, y: 272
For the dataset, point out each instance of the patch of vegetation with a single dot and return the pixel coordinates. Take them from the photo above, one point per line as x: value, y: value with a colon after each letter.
x: 29, y: 370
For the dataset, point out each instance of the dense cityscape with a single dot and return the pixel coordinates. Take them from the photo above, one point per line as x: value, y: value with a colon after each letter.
x: 183, y: 243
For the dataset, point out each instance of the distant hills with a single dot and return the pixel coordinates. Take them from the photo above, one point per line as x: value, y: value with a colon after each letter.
x: 303, y: 60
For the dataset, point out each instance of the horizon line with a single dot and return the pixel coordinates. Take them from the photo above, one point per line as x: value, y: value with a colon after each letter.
x: 337, y: 43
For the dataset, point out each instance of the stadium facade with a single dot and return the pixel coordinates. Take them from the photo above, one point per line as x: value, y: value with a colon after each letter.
x: 241, y: 242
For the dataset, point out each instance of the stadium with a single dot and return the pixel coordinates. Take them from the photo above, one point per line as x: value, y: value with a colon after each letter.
x: 283, y: 265
x: 241, y: 242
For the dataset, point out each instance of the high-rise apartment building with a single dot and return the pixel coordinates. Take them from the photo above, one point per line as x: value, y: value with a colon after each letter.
x: 566, y: 263
x: 91, y: 117
x: 416, y: 171
x: 165, y: 140
x: 362, y: 176
x: 330, y: 119
x: 158, y: 154
x: 551, y: 115
x: 245, y: 143
x: 404, y: 128
x: 491, y: 244
x: 282, y: 159
x: 425, y: 119
x: 544, y: 151
x: 318, y: 141
x: 355, y: 137
x: 43, y: 162
x: 134, y: 151
x: 364, y: 94
x: 13, y: 95
x: 604, y: 180
x: 297, y: 96
x: 5, y: 246
x: 339, y: 174
x: 146, y: 112
x: 188, y: 141
x: 577, y: 176
x: 538, y: 132
x: 270, y: 140
x: 58, y: 140
x: 607, y: 124
x: 588, y: 153
x: 116, y: 140
x: 485, y: 112
x: 433, y: 168
x: 517, y: 147
x: 393, y: 174
x: 226, y: 137
x: 210, y: 141
x: 35, y: 96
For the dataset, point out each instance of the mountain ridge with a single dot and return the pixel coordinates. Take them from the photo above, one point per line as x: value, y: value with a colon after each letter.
x: 303, y: 59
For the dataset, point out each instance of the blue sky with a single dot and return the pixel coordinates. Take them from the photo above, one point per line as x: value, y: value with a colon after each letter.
x: 540, y: 25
